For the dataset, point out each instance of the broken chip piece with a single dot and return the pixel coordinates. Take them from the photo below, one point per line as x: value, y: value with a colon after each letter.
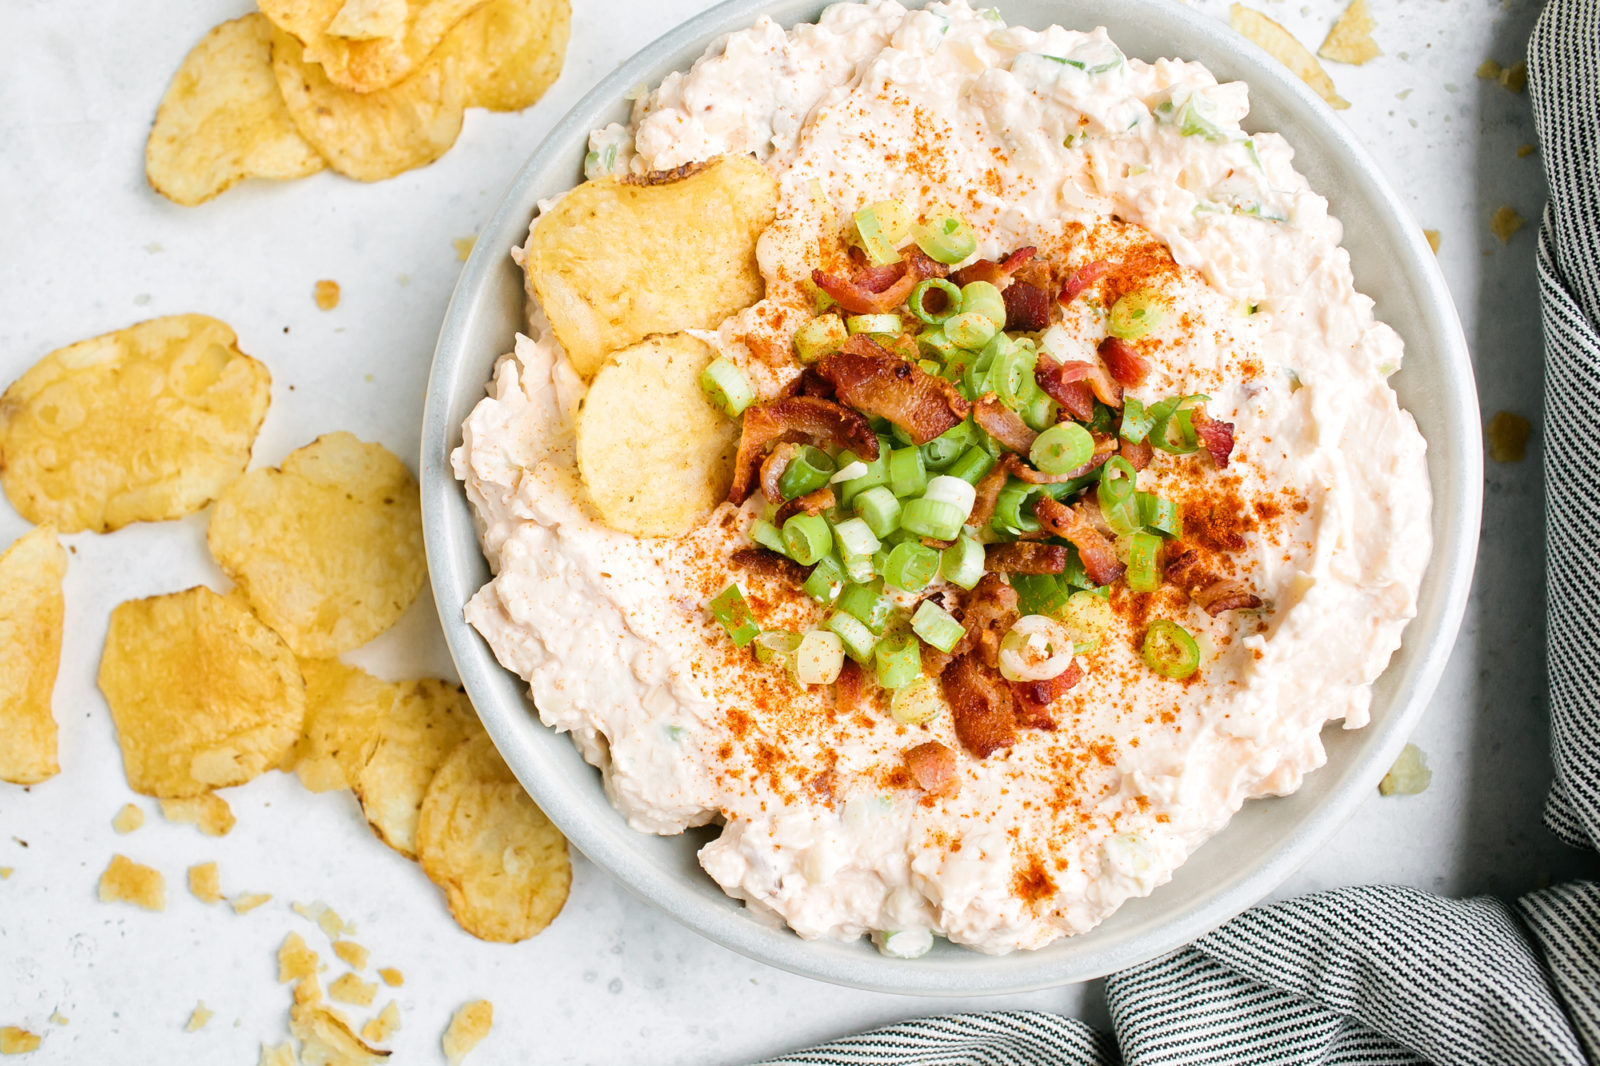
x: 126, y: 881
x: 1282, y: 46
x: 208, y: 812
x: 326, y: 1039
x: 31, y: 609
x: 468, y: 1027
x: 1350, y: 39
x: 205, y: 884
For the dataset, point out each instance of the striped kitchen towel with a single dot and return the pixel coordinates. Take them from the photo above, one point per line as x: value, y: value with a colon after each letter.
x: 1383, y: 974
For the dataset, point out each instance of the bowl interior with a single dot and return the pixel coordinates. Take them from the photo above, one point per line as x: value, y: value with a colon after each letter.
x: 1266, y: 840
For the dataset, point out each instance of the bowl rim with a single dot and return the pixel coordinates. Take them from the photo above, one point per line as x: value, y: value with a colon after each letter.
x: 584, y: 814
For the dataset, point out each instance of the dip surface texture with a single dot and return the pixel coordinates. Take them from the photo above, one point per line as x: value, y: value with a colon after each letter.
x: 1046, y: 139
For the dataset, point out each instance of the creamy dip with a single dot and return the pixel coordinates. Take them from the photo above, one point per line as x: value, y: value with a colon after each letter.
x: 1050, y: 139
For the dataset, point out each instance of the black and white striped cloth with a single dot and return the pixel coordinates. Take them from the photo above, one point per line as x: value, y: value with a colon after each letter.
x: 1388, y: 975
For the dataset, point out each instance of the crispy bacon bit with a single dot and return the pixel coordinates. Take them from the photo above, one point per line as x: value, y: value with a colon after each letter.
x: 1002, y: 423
x: 980, y: 706
x: 1095, y: 550
x: 1138, y: 455
x: 871, y: 380
x: 1106, y: 388
x: 768, y: 563
x: 1125, y: 364
x: 1211, y: 593
x: 850, y: 687
x: 809, y: 383
x: 1033, y: 698
x: 807, y: 418
x: 1027, y: 307
x: 1021, y: 557
x: 859, y: 299
x: 811, y: 503
x: 987, y: 493
x: 1064, y: 383
x: 878, y: 278
x: 1215, y: 435
x: 772, y: 468
x: 1081, y: 279
x: 992, y: 272
x: 933, y: 768
x: 989, y: 612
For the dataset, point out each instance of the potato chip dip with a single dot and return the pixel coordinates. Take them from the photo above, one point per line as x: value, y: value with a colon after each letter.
x: 953, y: 459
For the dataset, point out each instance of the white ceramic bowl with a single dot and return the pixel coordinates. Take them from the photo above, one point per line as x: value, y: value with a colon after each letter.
x: 1268, y: 839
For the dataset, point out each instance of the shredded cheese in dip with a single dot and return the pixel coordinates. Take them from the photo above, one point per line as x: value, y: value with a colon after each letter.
x: 1051, y: 139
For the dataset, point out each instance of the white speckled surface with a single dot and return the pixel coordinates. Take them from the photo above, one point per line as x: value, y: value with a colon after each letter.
x: 89, y: 248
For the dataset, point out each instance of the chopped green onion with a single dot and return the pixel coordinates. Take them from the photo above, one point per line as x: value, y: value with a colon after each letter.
x: 1170, y: 413
x: 1040, y: 593
x: 1136, y: 422
x: 972, y: 465
x: 962, y: 562
x: 944, y: 449
x: 775, y: 644
x: 877, y: 473
x: 877, y: 226
x: 970, y: 330
x: 855, y: 539
x: 937, y: 343
x: 911, y: 566
x: 1160, y: 514
x: 1040, y: 412
x: 1061, y: 448
x: 899, y: 660
x: 1142, y: 575
x: 726, y: 387
x: 850, y: 468
x: 1011, y: 375
x: 819, y: 658
x: 945, y: 240
x: 952, y: 301
x: 952, y: 490
x: 729, y: 608
x: 860, y: 569
x: 1035, y: 648
x: 858, y: 639
x: 821, y: 336
x: 806, y: 538
x: 933, y: 518
x: 917, y: 703
x: 867, y: 605
x: 1169, y: 650
x: 1103, y: 421
x: 1013, y: 508
x: 808, y: 471
x: 825, y: 582
x: 1118, y: 502
x: 889, y: 324
x: 908, y: 475
x: 936, y: 625
x: 982, y: 298
x: 768, y: 536
x: 879, y: 509
x: 1087, y: 617
x: 1136, y: 314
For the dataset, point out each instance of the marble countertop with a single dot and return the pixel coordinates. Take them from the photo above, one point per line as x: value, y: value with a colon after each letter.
x: 88, y: 248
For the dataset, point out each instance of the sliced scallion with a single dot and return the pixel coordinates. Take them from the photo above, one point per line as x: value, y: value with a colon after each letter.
x: 911, y: 566
x: 858, y: 639
x: 945, y: 240
x: 970, y: 330
x: 1136, y: 314
x: 899, y: 660
x: 806, y: 538
x: 908, y: 475
x: 982, y: 298
x: 825, y: 581
x: 1142, y: 575
x: 877, y: 225
x: 1136, y: 422
x: 1160, y: 514
x: 879, y: 509
x: 971, y: 465
x: 730, y: 608
x: 1061, y: 448
x: 726, y: 387
x: 819, y: 658
x: 952, y: 301
x: 936, y: 625
x: 807, y: 471
x: 1169, y: 650
x: 889, y: 324
x: 767, y: 535
x: 821, y: 336
x: 962, y: 562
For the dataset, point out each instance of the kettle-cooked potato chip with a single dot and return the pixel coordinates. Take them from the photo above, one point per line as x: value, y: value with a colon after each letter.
x: 141, y: 425
x: 653, y: 452
x: 344, y: 705
x: 509, y: 52
x: 327, y: 548
x: 31, y: 606
x: 618, y: 259
x: 430, y: 718
x: 223, y: 120
x: 503, y: 866
x: 365, y: 64
x: 374, y: 135
x: 203, y: 695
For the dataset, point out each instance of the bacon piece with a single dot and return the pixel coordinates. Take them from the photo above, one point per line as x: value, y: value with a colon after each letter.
x: 1027, y: 307
x: 859, y: 299
x: 1211, y: 593
x: 772, y: 468
x: 1215, y: 435
x: 768, y: 563
x: 992, y: 272
x: 809, y: 383
x: 1125, y: 364
x: 850, y: 688
x: 1138, y: 455
x: 1021, y: 557
x: 878, y: 278
x: 1032, y: 699
x: 871, y: 380
x: 1002, y: 423
x: 807, y: 418
x: 811, y: 503
x: 989, y: 612
x: 980, y: 705
x: 1064, y: 383
x: 933, y: 768
x: 1095, y: 550
x: 987, y: 493
x: 1081, y: 279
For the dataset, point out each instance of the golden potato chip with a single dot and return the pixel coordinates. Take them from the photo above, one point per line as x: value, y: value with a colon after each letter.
x: 31, y: 608
x: 428, y: 721
x: 203, y: 695
x: 353, y: 990
x: 245, y: 902
x: 352, y: 954
x: 209, y: 813
x: 15, y: 1041
x: 503, y: 866
x: 386, y: 1024
x: 343, y: 707
x: 654, y: 454
x: 141, y: 425
x: 1350, y: 40
x: 223, y: 120
x: 467, y: 1029
x: 327, y: 548
x: 508, y: 52
x: 392, y: 977
x: 295, y: 960
x: 1282, y: 46
x: 326, y: 1040
x: 128, y: 819
x: 205, y: 884
x: 277, y: 1055
x: 375, y: 135
x: 334, y: 35
x: 617, y: 259
x: 126, y: 881
x: 198, y: 1017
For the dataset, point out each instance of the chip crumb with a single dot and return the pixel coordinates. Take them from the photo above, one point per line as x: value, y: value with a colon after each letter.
x: 198, y: 1017
x: 1515, y: 77
x: 126, y: 881
x: 1433, y: 239
x: 15, y: 1041
x: 308, y: 990
x: 1408, y: 776
x: 326, y: 293
x: 31, y: 611
x: 208, y: 812
x: 295, y: 959
x: 205, y: 884
x: 1505, y: 222
x: 128, y: 819
x: 392, y: 977
x: 464, y: 247
x: 1286, y: 49
x: 1489, y: 70
x: 351, y: 989
x: 467, y: 1029
x: 278, y: 1055
x: 1508, y: 437
x: 326, y: 917
x: 245, y: 902
x: 6, y: 872
x: 354, y: 955
x: 326, y: 1039
x: 378, y: 1030
x: 1525, y: 151
x: 57, y: 1018
x: 1350, y: 39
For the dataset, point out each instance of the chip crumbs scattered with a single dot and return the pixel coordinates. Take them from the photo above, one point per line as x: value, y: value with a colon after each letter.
x: 209, y: 813
x: 354, y: 955
x: 1525, y: 151
x: 1350, y: 40
x: 278, y: 1055
x: 464, y: 247
x: 326, y: 293
x: 353, y: 990
x: 205, y: 884
x: 128, y: 819
x: 378, y: 1030
x: 198, y: 1017
x: 392, y: 977
x: 1505, y: 222
x: 1508, y: 437
x: 1282, y: 46
x: 467, y: 1029
x: 1489, y: 70
x: 1515, y: 77
x: 326, y: 917
x: 245, y: 902
x: 6, y: 872
x: 57, y: 1018
x: 126, y: 881
x: 14, y: 1041
x: 1408, y: 776
x: 1433, y: 239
